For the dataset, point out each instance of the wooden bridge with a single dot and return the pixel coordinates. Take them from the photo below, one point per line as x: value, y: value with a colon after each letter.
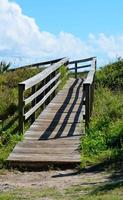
x: 56, y: 115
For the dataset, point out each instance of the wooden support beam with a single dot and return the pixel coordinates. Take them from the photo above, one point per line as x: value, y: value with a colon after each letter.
x: 21, y: 89
x: 75, y: 69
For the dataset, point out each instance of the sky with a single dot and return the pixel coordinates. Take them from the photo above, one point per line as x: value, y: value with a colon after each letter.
x: 33, y: 31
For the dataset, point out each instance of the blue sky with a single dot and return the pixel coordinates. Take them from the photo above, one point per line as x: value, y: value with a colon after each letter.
x: 79, y: 17
x: 58, y: 26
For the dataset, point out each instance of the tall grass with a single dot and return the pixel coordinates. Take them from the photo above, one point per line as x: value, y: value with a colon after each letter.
x: 8, y: 109
x: 104, y: 137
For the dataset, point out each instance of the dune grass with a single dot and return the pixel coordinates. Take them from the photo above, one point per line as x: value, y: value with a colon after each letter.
x: 103, y: 140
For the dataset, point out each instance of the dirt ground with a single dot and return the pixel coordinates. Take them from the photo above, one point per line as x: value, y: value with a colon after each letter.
x: 60, y: 179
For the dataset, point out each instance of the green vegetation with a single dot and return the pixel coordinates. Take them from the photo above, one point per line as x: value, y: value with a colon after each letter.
x: 64, y: 76
x: 8, y: 109
x: 4, y: 66
x: 111, y: 76
x: 107, y: 191
x: 103, y: 141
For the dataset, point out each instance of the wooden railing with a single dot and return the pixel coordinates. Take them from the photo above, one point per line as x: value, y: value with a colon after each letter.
x: 42, y: 86
x: 88, y: 91
x: 37, y: 65
x: 88, y: 85
x: 78, y: 64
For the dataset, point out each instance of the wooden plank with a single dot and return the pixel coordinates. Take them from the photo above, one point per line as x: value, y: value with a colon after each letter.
x: 67, y: 101
x: 35, y: 135
x: 40, y: 136
x: 47, y: 115
x: 69, y: 128
x: 51, y: 141
x: 37, y: 157
x: 47, y: 151
x: 45, y: 145
x: 61, y: 121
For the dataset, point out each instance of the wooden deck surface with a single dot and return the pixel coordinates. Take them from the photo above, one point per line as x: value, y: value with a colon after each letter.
x: 54, y: 137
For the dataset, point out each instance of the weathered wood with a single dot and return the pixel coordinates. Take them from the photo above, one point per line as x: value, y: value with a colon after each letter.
x: 37, y: 93
x: 79, y: 67
x: 21, y: 89
x: 37, y: 65
x: 42, y: 75
x: 90, y: 77
x: 33, y: 104
x: 82, y: 60
x: 88, y: 88
x: 55, y: 135
x: 45, y: 158
x: 32, y: 110
x: 49, y: 150
x: 75, y: 69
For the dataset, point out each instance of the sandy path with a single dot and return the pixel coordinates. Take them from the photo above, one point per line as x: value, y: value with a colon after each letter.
x: 59, y: 179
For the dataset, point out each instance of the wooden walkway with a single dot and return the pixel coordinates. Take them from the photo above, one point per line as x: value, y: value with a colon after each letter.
x: 54, y: 137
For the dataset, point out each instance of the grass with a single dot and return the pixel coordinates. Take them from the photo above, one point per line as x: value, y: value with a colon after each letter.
x: 103, y: 140
x: 108, y: 191
x: 9, y: 134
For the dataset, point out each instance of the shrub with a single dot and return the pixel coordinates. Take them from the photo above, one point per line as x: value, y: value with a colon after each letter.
x: 106, y: 119
x: 111, y: 76
x: 4, y: 66
x: 104, y: 137
x: 64, y: 76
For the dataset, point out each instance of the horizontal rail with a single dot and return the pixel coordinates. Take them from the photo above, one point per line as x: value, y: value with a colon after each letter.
x: 49, y: 80
x: 90, y: 77
x: 82, y: 60
x: 80, y: 67
x: 76, y: 66
x: 42, y: 75
x: 50, y: 62
x: 33, y: 109
x: 36, y: 94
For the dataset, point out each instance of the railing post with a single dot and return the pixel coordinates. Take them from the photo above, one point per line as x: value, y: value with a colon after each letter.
x: 75, y: 69
x: 54, y: 93
x: 86, y: 88
x: 33, y: 104
x: 21, y: 89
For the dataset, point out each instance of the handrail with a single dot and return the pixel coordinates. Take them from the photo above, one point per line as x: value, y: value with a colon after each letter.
x: 49, y: 62
x: 81, y: 60
x: 50, y: 80
x: 76, y: 66
x: 47, y: 81
x: 42, y: 75
x: 88, y: 90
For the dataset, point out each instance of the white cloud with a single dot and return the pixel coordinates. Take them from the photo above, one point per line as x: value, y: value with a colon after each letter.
x: 20, y: 36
